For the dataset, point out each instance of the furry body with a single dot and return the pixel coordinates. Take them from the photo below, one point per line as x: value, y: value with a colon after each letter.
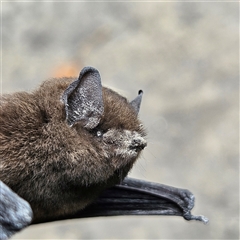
x: 60, y: 168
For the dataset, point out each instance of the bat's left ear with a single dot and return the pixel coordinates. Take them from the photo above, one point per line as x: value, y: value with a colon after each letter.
x: 137, y: 102
x: 83, y: 99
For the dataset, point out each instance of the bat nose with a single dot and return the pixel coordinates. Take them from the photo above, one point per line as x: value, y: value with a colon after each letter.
x: 138, y: 144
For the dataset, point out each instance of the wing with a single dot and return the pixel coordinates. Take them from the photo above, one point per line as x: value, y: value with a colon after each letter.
x: 15, y: 213
x: 138, y: 197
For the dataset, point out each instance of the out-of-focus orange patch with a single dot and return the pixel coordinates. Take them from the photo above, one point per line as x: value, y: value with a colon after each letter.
x: 66, y: 70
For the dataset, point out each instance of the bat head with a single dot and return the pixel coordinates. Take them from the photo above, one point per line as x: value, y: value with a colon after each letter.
x: 106, y: 115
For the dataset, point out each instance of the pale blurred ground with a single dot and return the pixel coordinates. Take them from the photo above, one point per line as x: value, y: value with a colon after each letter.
x: 185, y: 56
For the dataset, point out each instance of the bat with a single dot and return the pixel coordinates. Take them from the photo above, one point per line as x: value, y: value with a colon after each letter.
x: 68, y: 142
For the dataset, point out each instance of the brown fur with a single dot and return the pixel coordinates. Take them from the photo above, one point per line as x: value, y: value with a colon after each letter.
x: 60, y: 169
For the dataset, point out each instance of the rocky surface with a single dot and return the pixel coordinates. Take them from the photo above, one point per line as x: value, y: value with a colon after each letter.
x: 185, y: 57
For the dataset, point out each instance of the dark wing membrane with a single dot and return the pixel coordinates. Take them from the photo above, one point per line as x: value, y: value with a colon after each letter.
x: 137, y: 197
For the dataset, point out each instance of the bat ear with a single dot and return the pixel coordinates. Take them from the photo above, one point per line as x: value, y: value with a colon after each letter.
x: 83, y: 99
x: 137, y: 101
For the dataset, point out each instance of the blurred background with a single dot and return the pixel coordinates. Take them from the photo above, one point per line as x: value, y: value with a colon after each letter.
x: 185, y: 57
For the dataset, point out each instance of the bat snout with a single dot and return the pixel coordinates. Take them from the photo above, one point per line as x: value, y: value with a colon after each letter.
x: 138, y: 144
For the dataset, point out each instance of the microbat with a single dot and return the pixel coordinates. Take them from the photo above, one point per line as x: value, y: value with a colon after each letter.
x: 64, y: 143
x: 63, y: 149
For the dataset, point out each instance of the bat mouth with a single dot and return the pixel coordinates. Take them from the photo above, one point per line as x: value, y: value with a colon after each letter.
x: 137, y: 148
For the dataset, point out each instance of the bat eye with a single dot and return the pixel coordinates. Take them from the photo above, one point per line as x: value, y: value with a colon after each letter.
x: 99, y: 133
